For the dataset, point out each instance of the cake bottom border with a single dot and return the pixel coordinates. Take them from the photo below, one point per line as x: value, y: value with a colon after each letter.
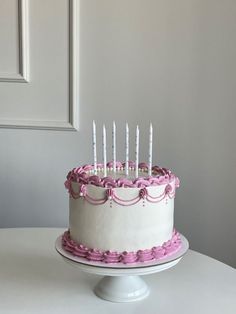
x: 156, y: 253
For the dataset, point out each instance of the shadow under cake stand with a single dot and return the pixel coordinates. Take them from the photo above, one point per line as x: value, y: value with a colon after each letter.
x: 122, y: 282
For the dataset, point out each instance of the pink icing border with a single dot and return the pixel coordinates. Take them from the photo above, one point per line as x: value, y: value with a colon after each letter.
x: 160, y: 176
x: 156, y: 253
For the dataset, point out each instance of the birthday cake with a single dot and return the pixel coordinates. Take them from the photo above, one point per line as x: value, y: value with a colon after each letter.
x: 118, y: 218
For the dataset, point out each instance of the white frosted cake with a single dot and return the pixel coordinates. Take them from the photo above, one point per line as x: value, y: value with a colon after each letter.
x: 120, y: 219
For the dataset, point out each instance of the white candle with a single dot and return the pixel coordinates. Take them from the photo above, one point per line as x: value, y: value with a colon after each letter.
x: 104, y: 144
x: 150, y: 152
x: 114, y: 146
x: 94, y: 148
x: 136, y: 151
x: 126, y: 149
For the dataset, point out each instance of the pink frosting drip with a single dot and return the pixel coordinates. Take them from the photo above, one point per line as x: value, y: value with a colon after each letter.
x: 156, y: 253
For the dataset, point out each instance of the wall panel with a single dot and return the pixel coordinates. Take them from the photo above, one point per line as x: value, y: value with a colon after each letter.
x: 47, y: 50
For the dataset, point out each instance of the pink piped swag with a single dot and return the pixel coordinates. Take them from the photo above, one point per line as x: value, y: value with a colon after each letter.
x: 155, y: 253
x: 111, y: 196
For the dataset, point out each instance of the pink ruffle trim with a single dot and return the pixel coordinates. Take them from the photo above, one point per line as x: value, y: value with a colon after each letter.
x: 84, y: 176
x: 159, y: 176
x: 156, y: 253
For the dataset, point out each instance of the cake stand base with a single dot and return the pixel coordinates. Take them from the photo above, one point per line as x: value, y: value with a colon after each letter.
x: 122, y: 282
x: 122, y: 288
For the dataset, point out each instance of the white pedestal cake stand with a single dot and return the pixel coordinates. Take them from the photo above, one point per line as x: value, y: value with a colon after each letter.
x: 122, y: 283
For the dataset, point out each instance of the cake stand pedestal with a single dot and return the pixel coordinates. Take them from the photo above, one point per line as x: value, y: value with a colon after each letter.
x: 122, y: 283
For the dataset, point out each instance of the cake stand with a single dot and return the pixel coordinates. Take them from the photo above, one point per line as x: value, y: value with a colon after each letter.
x: 122, y: 283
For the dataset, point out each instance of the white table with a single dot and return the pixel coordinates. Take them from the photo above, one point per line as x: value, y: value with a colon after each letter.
x: 35, y: 279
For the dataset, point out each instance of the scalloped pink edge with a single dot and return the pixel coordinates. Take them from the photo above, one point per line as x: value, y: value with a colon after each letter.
x: 155, y: 253
x: 160, y: 176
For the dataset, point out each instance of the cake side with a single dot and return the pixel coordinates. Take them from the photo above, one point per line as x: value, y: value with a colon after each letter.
x: 119, y: 213
x: 119, y: 225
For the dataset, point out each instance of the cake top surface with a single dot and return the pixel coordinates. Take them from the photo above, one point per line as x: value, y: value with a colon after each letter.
x: 85, y: 175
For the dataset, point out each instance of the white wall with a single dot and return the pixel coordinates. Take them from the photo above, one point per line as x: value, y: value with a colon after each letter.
x: 171, y: 62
